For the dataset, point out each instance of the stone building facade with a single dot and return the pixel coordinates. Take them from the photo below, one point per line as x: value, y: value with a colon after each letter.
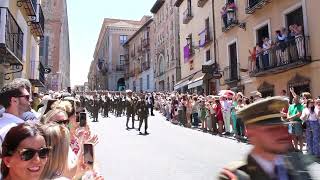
x: 56, y: 43
x: 167, y: 70
x: 290, y: 63
x: 21, y: 28
x: 139, y: 72
x: 196, y: 46
x: 107, y: 68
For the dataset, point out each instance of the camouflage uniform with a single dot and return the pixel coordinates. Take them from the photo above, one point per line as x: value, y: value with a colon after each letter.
x: 143, y: 113
x: 130, y: 110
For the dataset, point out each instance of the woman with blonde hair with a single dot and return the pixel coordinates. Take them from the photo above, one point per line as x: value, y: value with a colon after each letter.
x: 57, y: 137
x: 55, y: 115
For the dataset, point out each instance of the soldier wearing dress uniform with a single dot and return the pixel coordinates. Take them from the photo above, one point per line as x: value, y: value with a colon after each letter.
x: 143, y: 113
x: 272, y: 156
x: 130, y: 108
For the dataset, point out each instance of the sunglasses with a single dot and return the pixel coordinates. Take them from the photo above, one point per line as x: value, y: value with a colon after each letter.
x: 28, y: 153
x: 27, y: 97
x: 64, y: 122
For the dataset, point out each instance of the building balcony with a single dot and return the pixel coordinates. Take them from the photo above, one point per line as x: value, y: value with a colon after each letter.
x: 253, y: 5
x: 231, y: 73
x: 187, y: 16
x: 145, y: 66
x: 281, y: 57
x: 205, y: 38
x: 120, y: 67
x: 229, y: 17
x: 30, y: 6
x: 38, y: 24
x: 201, y: 3
x: 146, y: 42
x: 38, y: 81
x: 11, y: 39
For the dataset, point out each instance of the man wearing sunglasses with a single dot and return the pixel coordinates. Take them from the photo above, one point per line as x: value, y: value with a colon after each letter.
x: 16, y: 100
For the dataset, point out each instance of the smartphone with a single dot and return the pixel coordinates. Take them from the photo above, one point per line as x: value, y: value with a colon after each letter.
x: 83, y: 119
x: 88, y: 154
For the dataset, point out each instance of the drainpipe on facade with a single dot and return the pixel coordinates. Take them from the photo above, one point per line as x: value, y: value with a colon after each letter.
x: 215, y: 43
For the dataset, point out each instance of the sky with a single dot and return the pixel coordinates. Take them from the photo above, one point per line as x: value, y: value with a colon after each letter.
x: 85, y: 21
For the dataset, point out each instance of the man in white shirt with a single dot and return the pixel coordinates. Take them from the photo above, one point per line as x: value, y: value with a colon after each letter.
x: 16, y: 99
x: 226, y: 112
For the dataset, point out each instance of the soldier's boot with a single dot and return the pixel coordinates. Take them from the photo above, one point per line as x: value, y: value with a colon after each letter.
x: 127, y: 122
x: 140, y: 124
x: 146, y: 126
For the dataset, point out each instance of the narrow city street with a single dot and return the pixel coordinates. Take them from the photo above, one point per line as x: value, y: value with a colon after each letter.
x: 169, y: 152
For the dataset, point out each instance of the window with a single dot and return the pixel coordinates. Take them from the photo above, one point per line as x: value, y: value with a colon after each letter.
x: 122, y: 60
x: 262, y: 33
x: 208, y: 55
x: 295, y: 17
x: 123, y: 39
x: 233, y: 60
x: 189, y: 4
x: 148, y: 83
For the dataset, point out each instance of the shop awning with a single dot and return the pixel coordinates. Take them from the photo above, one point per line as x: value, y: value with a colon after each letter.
x: 184, y: 82
x: 197, y: 80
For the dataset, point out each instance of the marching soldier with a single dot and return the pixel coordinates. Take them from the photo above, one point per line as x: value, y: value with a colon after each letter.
x: 143, y: 113
x: 272, y: 156
x: 95, y: 108
x: 130, y: 108
x: 106, y: 105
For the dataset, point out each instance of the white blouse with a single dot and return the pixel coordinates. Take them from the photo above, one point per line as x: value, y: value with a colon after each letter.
x: 308, y: 116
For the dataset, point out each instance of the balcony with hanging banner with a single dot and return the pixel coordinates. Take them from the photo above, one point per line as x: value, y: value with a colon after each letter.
x: 187, y: 53
x: 205, y: 38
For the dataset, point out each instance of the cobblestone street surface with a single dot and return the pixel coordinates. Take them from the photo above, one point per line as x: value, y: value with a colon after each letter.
x: 169, y: 152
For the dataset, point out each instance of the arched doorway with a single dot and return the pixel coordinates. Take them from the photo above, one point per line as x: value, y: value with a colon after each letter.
x: 121, y: 84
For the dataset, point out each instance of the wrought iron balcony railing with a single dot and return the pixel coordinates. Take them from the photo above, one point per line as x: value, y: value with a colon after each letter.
x: 11, y: 37
x: 30, y: 6
x: 281, y: 57
x: 229, y: 17
x: 253, y: 5
x: 38, y: 23
x: 187, y: 16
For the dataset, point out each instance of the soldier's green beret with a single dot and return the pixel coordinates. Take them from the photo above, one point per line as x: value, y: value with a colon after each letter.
x: 264, y: 112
